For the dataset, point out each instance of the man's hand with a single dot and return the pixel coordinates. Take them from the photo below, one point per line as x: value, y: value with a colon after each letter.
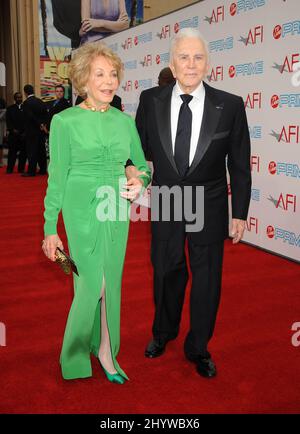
x: 131, y: 172
x: 237, y: 231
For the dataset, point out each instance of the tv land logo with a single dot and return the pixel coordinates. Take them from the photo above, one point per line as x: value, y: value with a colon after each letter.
x: 290, y: 100
x: 288, y: 64
x: 253, y: 100
x: 189, y: 22
x: 216, y: 74
x: 217, y: 15
x: 162, y: 58
x: 252, y: 225
x: 286, y: 169
x: 165, y: 32
x: 245, y: 6
x: 287, y: 201
x: 246, y: 69
x: 255, y: 163
x: 288, y: 134
x: 255, y: 34
x: 255, y: 132
x: 147, y: 60
x: 221, y: 45
x: 286, y: 236
x: 291, y: 28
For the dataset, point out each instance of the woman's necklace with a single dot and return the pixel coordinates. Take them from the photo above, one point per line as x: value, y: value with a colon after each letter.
x: 94, y: 109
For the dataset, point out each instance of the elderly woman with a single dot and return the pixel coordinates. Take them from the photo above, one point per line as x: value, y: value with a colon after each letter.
x: 89, y: 146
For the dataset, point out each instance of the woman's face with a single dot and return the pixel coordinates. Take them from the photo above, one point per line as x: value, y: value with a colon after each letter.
x: 103, y: 81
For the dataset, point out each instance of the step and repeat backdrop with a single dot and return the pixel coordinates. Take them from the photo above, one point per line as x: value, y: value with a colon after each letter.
x: 254, y: 52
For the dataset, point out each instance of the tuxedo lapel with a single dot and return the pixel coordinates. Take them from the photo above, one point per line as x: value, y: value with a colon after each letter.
x: 162, y: 105
x: 211, y: 116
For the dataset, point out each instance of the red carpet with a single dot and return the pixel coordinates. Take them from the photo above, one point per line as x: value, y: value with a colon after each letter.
x: 258, y: 368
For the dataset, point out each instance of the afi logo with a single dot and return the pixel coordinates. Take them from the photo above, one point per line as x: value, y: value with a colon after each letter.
x: 289, y: 134
x: 165, y: 32
x: 255, y: 163
x: 288, y: 63
x: 127, y: 86
x: 217, y: 15
x: 127, y: 44
x: 287, y: 200
x: 253, y: 100
x: 216, y: 74
x: 147, y: 60
x: 252, y: 225
x: 255, y: 34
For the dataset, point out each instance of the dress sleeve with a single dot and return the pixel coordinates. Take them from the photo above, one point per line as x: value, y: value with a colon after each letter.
x: 59, y: 145
x: 137, y: 155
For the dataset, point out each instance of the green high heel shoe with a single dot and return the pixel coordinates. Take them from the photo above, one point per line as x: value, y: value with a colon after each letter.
x: 113, y: 378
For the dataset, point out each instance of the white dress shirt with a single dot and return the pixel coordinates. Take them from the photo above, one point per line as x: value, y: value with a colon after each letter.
x: 196, y: 106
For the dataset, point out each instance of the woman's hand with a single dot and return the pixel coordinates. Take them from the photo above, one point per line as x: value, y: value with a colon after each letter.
x: 91, y: 24
x: 50, y: 243
x: 134, y: 187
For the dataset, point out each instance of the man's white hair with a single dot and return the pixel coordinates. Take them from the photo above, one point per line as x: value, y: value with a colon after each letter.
x: 188, y: 32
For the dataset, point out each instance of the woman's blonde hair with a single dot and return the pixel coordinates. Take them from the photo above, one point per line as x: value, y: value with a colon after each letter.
x: 80, y: 65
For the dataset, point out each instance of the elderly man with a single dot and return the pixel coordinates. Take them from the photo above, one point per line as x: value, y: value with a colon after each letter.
x: 189, y: 130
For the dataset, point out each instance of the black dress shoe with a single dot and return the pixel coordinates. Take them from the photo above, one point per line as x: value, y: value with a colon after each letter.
x: 155, y: 349
x: 25, y: 175
x: 206, y: 367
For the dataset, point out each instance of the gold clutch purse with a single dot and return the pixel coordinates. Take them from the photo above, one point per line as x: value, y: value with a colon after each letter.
x: 65, y: 262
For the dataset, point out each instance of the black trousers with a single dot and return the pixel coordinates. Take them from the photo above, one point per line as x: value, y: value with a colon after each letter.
x: 36, y: 151
x: 16, y: 149
x: 170, y: 279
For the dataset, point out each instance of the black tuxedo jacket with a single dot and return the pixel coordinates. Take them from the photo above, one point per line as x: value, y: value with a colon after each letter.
x: 15, y: 118
x: 224, y: 137
x: 35, y: 114
x: 61, y: 105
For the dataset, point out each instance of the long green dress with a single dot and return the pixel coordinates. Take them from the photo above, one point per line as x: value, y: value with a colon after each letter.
x: 88, y: 151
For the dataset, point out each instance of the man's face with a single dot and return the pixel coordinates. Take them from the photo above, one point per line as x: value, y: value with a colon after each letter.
x: 59, y: 93
x: 18, y: 98
x: 189, y: 63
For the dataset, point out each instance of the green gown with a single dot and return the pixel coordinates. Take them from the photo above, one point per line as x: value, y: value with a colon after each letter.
x: 88, y: 152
